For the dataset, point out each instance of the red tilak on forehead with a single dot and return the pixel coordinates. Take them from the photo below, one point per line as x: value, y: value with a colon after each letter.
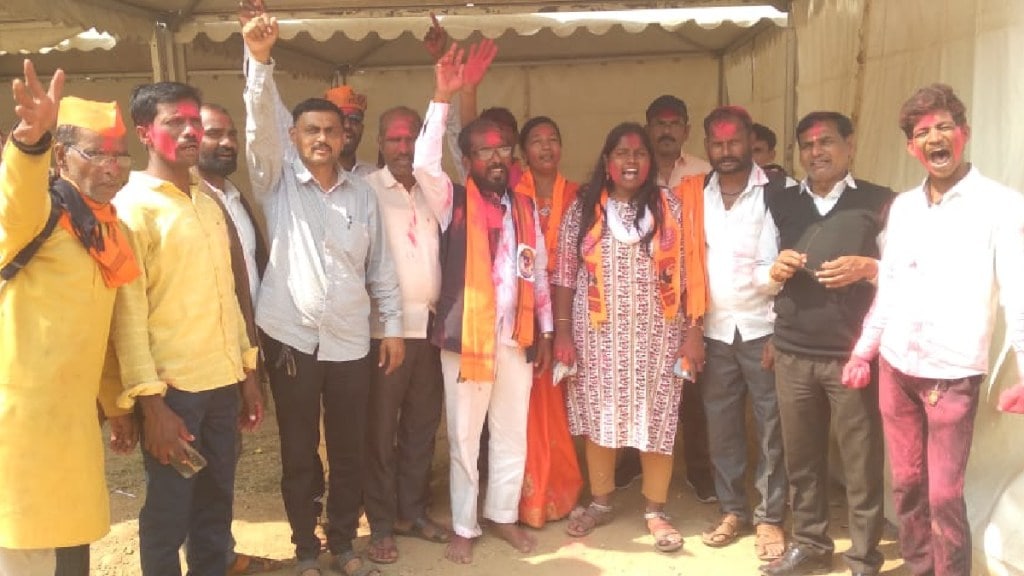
x: 723, y: 130
x: 186, y: 108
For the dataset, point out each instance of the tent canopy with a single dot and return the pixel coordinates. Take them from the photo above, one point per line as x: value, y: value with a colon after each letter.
x: 324, y: 37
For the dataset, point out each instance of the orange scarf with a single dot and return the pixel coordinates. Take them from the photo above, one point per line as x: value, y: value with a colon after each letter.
x: 561, y: 197
x: 666, y: 263
x: 116, y: 260
x: 690, y: 192
x: 479, y: 311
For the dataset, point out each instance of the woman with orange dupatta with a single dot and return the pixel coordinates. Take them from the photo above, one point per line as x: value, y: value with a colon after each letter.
x: 552, y: 480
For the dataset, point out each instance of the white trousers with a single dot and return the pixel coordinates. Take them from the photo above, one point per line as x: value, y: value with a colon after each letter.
x: 35, y: 562
x: 504, y: 403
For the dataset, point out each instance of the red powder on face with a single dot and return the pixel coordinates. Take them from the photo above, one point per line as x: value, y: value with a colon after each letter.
x: 164, y: 142
x: 929, y: 122
x: 165, y: 138
x: 723, y: 130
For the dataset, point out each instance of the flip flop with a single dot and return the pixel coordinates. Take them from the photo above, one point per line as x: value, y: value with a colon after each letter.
x: 724, y: 533
x: 425, y: 529
x: 379, y: 554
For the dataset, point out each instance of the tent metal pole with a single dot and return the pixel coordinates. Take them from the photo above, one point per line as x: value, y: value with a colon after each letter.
x: 789, y: 113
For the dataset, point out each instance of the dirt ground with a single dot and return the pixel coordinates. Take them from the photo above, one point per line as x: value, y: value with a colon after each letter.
x: 620, y: 548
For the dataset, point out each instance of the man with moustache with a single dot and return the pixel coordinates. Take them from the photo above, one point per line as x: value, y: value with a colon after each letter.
x: 963, y: 232
x: 353, y: 110
x: 493, y: 323
x: 182, y: 372
x: 828, y: 229
x: 218, y: 159
x: 741, y: 247
x: 406, y: 404
x: 668, y: 125
x: 329, y: 261
x: 63, y: 257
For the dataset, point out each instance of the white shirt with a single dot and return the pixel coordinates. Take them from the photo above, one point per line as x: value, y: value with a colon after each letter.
x: 686, y: 165
x: 412, y: 232
x: 363, y: 169
x: 437, y: 188
x: 826, y: 203
x: 328, y: 253
x: 943, y: 269
x: 742, y: 244
x: 232, y: 200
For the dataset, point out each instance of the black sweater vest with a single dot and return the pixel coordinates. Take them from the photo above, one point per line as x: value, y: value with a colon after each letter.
x: 811, y: 319
x: 446, y: 329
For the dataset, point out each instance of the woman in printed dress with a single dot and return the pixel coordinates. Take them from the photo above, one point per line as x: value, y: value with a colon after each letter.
x: 552, y: 479
x: 619, y: 317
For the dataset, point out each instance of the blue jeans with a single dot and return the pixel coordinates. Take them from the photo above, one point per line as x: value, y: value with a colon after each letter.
x: 731, y: 373
x: 199, y: 508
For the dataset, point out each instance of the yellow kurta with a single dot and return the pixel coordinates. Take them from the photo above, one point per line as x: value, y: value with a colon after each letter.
x: 179, y: 323
x: 54, y: 325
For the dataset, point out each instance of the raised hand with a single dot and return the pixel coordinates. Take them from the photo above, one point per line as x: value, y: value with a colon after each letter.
x: 260, y: 34
x: 479, y: 60
x: 34, y: 105
x: 249, y: 9
x: 448, y: 73
x: 436, y: 39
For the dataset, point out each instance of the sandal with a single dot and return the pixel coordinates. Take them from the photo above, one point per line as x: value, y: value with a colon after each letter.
x: 724, y: 533
x: 770, y: 542
x: 425, y: 529
x: 309, y: 567
x: 350, y: 564
x: 380, y: 554
x: 666, y: 537
x: 246, y: 564
x: 582, y: 521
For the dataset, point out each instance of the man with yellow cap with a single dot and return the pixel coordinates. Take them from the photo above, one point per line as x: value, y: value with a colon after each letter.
x: 63, y: 256
x: 353, y: 108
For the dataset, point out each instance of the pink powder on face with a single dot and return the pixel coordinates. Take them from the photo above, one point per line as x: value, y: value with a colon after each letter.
x: 723, y: 130
x: 165, y: 139
x: 957, y: 140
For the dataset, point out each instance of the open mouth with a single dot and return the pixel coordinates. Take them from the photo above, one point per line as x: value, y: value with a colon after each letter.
x: 630, y: 174
x: 940, y: 157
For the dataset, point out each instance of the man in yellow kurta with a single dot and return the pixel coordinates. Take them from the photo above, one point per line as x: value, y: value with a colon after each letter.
x: 55, y: 310
x: 181, y: 340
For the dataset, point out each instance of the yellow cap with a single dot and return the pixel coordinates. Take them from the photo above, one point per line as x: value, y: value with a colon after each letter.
x: 103, y: 118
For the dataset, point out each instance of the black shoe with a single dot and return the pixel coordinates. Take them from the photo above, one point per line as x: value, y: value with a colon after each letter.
x: 628, y: 469
x: 797, y: 561
x: 703, y: 489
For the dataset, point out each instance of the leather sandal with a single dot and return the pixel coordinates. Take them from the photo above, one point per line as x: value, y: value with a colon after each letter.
x: 583, y: 521
x: 728, y: 529
x: 666, y: 537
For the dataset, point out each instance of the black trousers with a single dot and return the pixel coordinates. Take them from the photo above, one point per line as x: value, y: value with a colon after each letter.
x: 811, y: 398
x: 72, y: 561
x: 405, y: 409
x: 300, y: 384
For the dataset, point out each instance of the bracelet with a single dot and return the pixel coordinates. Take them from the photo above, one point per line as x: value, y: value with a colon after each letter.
x: 547, y: 335
x: 563, y: 319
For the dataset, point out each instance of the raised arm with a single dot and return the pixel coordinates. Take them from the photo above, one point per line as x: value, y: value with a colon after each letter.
x: 426, y: 166
x: 24, y: 201
x: 267, y: 120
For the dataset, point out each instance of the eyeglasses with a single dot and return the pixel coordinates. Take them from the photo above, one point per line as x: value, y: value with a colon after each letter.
x: 483, y: 154
x: 122, y: 161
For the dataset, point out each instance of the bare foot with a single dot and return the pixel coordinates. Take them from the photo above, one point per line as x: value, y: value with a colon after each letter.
x: 513, y: 534
x: 459, y: 550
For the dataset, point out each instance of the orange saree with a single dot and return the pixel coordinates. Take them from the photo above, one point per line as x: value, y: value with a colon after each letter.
x: 552, y: 480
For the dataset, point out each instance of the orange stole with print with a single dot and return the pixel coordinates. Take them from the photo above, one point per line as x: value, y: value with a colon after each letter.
x: 690, y: 192
x: 666, y: 243
x: 116, y: 260
x: 479, y: 313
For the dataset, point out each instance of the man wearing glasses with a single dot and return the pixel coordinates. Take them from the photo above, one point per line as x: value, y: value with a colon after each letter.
x: 493, y: 319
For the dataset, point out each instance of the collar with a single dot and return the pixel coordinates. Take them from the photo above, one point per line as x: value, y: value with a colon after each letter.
x: 230, y: 191
x: 304, y: 176
x: 958, y: 189
x: 757, y: 177
x: 160, y: 185
x: 837, y: 189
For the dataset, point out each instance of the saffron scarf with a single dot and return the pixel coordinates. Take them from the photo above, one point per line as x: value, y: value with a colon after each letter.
x: 96, y: 227
x: 562, y: 196
x: 666, y: 263
x: 690, y: 192
x: 479, y: 312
